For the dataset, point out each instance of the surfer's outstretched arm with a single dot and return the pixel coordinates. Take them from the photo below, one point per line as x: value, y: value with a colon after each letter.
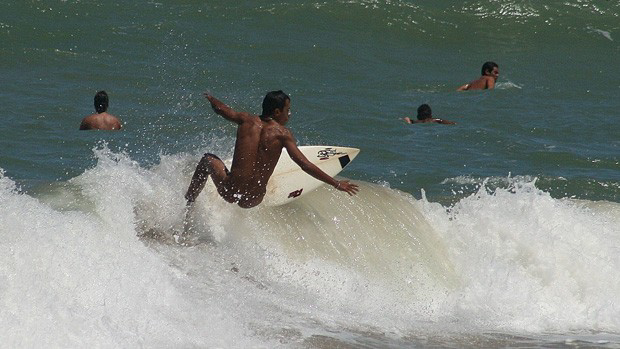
x: 311, y: 169
x: 227, y: 112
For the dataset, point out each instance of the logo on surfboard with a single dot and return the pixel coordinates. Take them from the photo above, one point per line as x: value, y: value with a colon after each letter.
x: 326, y: 153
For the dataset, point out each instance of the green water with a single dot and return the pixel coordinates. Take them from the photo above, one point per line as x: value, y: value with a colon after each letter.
x: 353, y: 69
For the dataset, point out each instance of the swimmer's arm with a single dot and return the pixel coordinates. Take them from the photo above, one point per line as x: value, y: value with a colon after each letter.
x: 412, y: 121
x: 463, y: 88
x: 227, y: 112
x: 86, y: 124
x: 311, y: 169
x: 490, y: 83
x: 445, y: 122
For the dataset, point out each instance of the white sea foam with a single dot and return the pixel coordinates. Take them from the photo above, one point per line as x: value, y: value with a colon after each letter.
x: 529, y: 262
x: 604, y: 33
x: 93, y: 261
x: 505, y: 85
x: 72, y: 278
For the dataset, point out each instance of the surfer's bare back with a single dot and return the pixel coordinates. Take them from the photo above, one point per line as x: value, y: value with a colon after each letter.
x: 259, y: 143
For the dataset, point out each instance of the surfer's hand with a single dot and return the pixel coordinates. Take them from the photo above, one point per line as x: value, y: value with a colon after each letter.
x: 210, y: 99
x: 350, y: 188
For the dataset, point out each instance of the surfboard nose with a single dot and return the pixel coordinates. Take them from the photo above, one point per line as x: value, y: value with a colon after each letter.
x: 289, y: 182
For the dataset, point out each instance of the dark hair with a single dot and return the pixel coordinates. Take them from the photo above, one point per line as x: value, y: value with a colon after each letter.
x: 424, y: 112
x: 274, y: 100
x: 101, y: 101
x: 488, y: 66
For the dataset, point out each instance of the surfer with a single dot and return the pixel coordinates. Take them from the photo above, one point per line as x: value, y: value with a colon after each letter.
x: 101, y: 120
x: 490, y: 73
x: 425, y: 116
x: 259, y: 143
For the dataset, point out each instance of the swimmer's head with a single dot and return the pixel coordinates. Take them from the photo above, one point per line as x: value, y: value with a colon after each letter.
x: 101, y: 101
x: 487, y: 67
x: 424, y: 112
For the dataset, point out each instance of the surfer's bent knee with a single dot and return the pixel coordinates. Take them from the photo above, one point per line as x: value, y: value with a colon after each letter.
x: 208, y: 157
x: 206, y: 162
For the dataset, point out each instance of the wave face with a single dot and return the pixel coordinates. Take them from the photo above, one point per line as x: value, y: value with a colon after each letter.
x: 97, y: 260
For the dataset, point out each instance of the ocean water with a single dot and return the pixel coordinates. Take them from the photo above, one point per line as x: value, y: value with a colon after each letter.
x: 500, y: 231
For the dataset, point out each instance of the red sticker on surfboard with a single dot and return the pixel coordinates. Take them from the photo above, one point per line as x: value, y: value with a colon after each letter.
x: 295, y: 193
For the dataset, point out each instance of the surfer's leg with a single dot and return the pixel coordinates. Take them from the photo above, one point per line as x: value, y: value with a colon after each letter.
x: 208, y: 165
x: 250, y: 200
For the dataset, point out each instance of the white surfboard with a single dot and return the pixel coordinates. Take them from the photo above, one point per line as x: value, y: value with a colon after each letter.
x: 289, y: 182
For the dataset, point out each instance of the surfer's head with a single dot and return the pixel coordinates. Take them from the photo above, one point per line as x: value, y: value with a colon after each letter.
x: 101, y: 101
x: 424, y: 112
x: 488, y: 69
x: 274, y: 100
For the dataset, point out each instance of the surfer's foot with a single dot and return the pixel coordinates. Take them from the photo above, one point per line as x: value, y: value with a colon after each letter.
x: 190, y: 199
x: 181, y: 237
